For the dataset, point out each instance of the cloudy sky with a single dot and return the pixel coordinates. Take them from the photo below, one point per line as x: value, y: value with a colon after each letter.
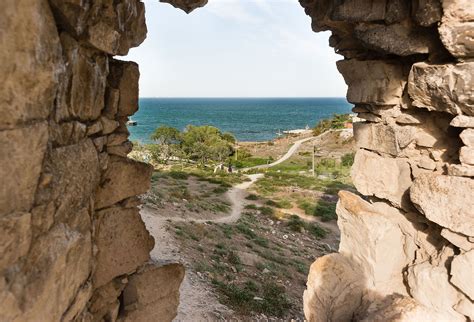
x: 235, y: 48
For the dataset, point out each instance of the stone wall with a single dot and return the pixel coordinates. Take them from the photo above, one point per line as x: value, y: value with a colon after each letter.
x: 407, y: 241
x: 73, y: 246
x: 71, y: 237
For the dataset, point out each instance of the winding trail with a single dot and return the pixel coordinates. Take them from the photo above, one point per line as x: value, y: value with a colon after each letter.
x: 285, y: 157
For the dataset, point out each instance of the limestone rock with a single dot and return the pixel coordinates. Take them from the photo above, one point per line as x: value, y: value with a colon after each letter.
x: 15, y: 237
x: 369, y: 117
x: 466, y: 155
x: 457, y: 38
x: 408, y: 119
x: 385, y: 178
x: 79, y: 303
x: 82, y: 84
x: 123, y: 243
x: 458, y: 240
x: 21, y: 159
x: 460, y: 170
x: 425, y: 281
x: 398, y: 39
x: 71, y: 14
x: 75, y: 171
x: 445, y: 88
x: 372, y: 10
x: 373, y: 239
x: 95, y: 128
x: 124, y: 77
x: 373, y: 81
x: 334, y: 289
x: 426, y: 12
x: 108, y: 125
x: 105, y: 297
x: 121, y: 150
x: 467, y: 137
x: 425, y: 139
x: 123, y: 178
x: 376, y: 137
x: 117, y: 26
x: 28, y: 47
x: 67, y: 133
x: 446, y: 200
x: 186, y: 5
x: 462, y: 268
x: 58, y: 264
x: 152, y: 293
x: 404, y: 308
x: 463, y: 121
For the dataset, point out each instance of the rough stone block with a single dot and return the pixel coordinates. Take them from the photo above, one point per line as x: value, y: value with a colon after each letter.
x: 458, y: 240
x: 463, y: 121
x: 82, y: 84
x: 426, y: 12
x: 59, y: 263
x: 152, y: 293
x: 378, y: 239
x: 15, y: 237
x: 457, y: 37
x: 376, y: 137
x: 466, y: 155
x: 429, y: 285
x: 334, y: 289
x: 186, y: 5
x: 373, y: 81
x: 461, y: 170
x: 446, y: 200
x: 21, y: 160
x: 121, y: 150
x: 124, y: 77
x: 123, y: 178
x: 462, y: 268
x: 467, y: 137
x: 28, y: 46
x: 385, y: 178
x: 75, y: 171
x: 122, y: 241
x: 445, y: 88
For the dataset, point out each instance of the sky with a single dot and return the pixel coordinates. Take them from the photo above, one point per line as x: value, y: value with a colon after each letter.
x: 235, y: 48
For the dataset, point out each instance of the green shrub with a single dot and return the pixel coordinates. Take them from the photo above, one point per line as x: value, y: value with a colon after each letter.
x: 347, y: 159
x: 267, y: 211
x: 252, y: 197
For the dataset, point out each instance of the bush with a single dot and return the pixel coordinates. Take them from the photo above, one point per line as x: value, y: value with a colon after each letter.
x: 347, y: 159
x: 178, y: 175
x: 252, y: 197
x: 267, y: 211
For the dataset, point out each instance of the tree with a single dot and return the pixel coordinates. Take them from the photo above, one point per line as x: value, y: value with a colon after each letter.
x: 168, y: 140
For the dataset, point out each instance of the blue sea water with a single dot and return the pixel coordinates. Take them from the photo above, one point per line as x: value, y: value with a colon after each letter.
x: 249, y: 119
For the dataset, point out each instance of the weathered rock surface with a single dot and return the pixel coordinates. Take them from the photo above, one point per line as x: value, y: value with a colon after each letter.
x: 28, y: 47
x: 462, y: 268
x: 373, y: 82
x: 152, y: 293
x: 20, y: 166
x: 124, y: 77
x: 123, y: 243
x: 445, y: 88
x: 463, y: 121
x: 466, y: 155
x: 446, y: 200
x: 334, y: 289
x: 186, y: 5
x: 15, y: 237
x: 385, y: 178
x: 123, y: 178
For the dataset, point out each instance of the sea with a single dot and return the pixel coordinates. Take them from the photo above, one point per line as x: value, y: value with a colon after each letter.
x: 249, y: 119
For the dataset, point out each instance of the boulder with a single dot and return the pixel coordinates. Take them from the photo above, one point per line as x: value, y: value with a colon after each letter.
x: 457, y: 38
x: 334, y: 289
x: 445, y: 200
x: 373, y: 81
x: 462, y: 269
x: 378, y: 239
x: 383, y: 177
x: 123, y: 178
x: 460, y: 170
x: 108, y: 125
x: 28, y: 46
x: 122, y: 241
x: 23, y: 151
x: 152, y: 294
x: 445, y: 88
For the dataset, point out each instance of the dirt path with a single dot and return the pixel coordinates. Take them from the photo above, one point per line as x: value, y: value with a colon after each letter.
x: 287, y: 155
x: 197, y: 302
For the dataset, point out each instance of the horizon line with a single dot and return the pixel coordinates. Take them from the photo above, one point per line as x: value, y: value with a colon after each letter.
x: 243, y: 97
